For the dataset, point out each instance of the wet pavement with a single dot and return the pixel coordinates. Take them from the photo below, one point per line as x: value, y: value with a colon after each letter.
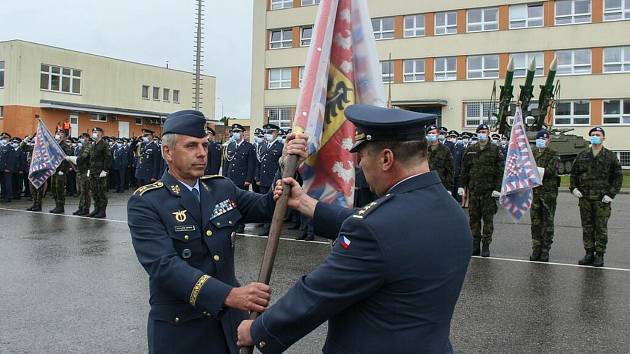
x: 73, y: 285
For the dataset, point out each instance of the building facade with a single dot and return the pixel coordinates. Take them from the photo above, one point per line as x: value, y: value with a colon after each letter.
x: 447, y: 55
x: 122, y: 97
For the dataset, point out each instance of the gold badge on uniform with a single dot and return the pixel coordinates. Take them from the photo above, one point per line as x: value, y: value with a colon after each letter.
x: 175, y: 189
x: 180, y: 216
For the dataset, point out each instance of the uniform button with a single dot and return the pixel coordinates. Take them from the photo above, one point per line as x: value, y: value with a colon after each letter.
x: 230, y: 222
x: 262, y: 344
x: 216, y: 258
x: 208, y: 233
x: 176, y: 319
x: 186, y: 237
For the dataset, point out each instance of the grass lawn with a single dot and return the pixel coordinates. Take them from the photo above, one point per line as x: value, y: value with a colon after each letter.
x: 564, y: 180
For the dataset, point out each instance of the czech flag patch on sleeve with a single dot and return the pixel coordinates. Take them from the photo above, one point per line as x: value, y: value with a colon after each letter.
x: 344, y: 242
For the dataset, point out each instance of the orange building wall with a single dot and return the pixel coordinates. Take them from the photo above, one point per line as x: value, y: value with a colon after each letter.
x: 597, y: 110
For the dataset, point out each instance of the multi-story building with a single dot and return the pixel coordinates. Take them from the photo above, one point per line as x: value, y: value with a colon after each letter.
x: 446, y: 56
x: 54, y: 85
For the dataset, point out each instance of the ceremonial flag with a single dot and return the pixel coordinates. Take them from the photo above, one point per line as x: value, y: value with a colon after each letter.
x: 342, y: 69
x: 521, y: 174
x: 47, y: 156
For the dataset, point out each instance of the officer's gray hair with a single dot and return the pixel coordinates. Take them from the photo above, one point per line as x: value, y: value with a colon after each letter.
x: 168, y: 140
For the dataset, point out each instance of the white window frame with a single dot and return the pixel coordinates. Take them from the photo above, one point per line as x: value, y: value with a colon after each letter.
x: 486, y: 72
x: 147, y: 88
x: 415, y: 30
x: 623, y: 63
x: 572, y: 66
x: 280, y: 116
x: 73, y: 77
x: 98, y: 117
x: 2, y: 74
x: 380, y: 33
x: 281, y: 4
x: 305, y: 41
x: 283, y: 42
x: 540, y: 63
x: 528, y: 22
x: 284, y: 82
x: 154, y: 96
x: 617, y: 13
x: 447, y: 28
x: 176, y: 96
x: 575, y: 18
x: 166, y: 95
x: 309, y: 2
x: 300, y: 75
x: 418, y: 73
x: 623, y: 117
x: 483, y: 107
x: 485, y: 26
x: 572, y: 117
x: 624, y: 159
x: 387, y: 77
x: 445, y: 75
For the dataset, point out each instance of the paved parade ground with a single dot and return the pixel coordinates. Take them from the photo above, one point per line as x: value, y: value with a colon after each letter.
x: 73, y: 285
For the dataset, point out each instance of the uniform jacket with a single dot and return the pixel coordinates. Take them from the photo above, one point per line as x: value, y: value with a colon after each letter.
x: 65, y: 166
x: 550, y: 161
x: 120, y: 161
x: 482, y: 168
x: 390, y: 284
x: 214, y: 158
x: 149, y: 160
x: 269, y: 163
x: 596, y: 176
x: 8, y: 159
x: 458, y: 153
x: 441, y: 161
x: 186, y: 248
x: 241, y: 163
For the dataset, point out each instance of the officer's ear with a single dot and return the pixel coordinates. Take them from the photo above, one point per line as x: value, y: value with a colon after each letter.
x: 167, y: 154
x: 387, y: 159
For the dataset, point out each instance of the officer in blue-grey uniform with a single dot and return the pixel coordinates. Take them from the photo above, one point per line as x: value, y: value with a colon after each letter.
x: 149, y: 159
x: 8, y: 165
x: 269, y: 162
x: 214, y: 154
x: 391, y: 281
x: 241, y: 159
x: 181, y: 228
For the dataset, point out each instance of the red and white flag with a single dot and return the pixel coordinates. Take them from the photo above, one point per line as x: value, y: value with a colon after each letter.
x: 342, y: 69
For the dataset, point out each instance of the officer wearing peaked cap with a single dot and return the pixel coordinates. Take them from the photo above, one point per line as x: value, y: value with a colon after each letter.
x: 390, y: 284
x: 214, y: 154
x: 181, y: 228
x: 241, y: 159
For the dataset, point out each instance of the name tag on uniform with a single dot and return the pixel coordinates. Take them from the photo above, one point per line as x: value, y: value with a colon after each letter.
x: 223, y: 208
x: 185, y: 228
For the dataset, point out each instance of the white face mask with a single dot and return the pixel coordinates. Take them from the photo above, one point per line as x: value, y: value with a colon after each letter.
x: 94, y: 135
x: 269, y: 137
x: 57, y: 137
x: 236, y: 136
x: 145, y: 139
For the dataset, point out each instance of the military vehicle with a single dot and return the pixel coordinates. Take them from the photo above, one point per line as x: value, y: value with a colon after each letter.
x: 567, y: 145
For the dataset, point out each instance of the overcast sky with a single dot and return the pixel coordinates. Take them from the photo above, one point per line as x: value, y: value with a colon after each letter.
x: 146, y: 31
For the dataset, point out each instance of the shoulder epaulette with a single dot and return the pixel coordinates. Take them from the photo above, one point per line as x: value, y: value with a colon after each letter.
x: 371, y: 207
x: 209, y: 177
x: 149, y: 187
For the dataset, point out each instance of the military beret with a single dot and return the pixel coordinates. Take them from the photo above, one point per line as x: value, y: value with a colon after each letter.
x: 270, y: 126
x: 387, y: 124
x: 482, y: 127
x: 97, y: 129
x: 431, y: 127
x: 542, y: 134
x: 597, y: 129
x: 187, y: 122
x: 237, y: 126
x: 211, y: 131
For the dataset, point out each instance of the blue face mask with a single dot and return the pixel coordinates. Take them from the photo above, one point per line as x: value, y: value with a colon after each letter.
x: 258, y: 140
x: 596, y: 140
x: 483, y: 137
x: 441, y: 138
x: 540, y: 143
x: 236, y: 136
x: 431, y: 138
x: 269, y: 137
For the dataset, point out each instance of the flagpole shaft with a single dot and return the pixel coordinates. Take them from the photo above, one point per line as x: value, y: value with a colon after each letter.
x: 274, y: 233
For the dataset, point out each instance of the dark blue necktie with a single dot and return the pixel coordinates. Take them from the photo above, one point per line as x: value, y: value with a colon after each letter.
x: 195, y: 192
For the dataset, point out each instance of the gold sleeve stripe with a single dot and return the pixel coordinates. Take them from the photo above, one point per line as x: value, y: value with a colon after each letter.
x: 195, y: 292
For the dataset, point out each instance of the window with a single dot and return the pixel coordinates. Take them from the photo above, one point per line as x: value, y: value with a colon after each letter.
x: 1, y: 111
x: 574, y: 62
x: 446, y: 22
x: 477, y: 112
x: 414, y: 26
x: 175, y: 96
x: 301, y: 75
x: 483, y: 67
x: 483, y: 19
x: 166, y: 95
x: 615, y: 10
x: 282, y: 38
x: 310, y: 2
x: 55, y: 78
x: 280, y: 116
x: 138, y: 120
x: 573, y: 11
x: 387, y: 70
x: 617, y: 111
x: 98, y: 117
x: 281, y: 4
x: 525, y: 16
x: 522, y: 60
x: 306, y: 33
x: 383, y: 28
x: 156, y: 93
x: 617, y: 59
x: 573, y: 113
x: 413, y: 70
x: 145, y: 92
x: 279, y: 78
x: 624, y: 158
x: 445, y: 69
x: 1, y: 74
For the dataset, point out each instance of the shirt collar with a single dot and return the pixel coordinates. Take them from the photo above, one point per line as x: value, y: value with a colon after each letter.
x: 196, y: 186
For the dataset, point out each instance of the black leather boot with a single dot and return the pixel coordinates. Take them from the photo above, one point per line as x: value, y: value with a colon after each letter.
x: 544, y: 255
x: 476, y: 247
x: 535, y: 254
x: 485, y: 249
x: 588, y: 258
x: 598, y: 261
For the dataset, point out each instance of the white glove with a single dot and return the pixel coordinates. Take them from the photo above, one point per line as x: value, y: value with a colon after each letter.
x: 103, y: 174
x: 496, y: 194
x: 60, y: 173
x: 72, y: 159
x: 460, y: 191
x: 88, y: 173
x: 577, y: 193
x: 450, y: 193
x: 541, y: 172
x: 606, y: 199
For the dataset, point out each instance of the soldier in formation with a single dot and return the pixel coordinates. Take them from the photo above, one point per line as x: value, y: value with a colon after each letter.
x: 440, y: 158
x: 8, y: 166
x: 59, y: 179
x: 271, y: 152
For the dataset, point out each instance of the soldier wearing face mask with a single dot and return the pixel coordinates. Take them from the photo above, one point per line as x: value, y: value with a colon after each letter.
x: 59, y: 179
x: 440, y: 158
x: 149, y: 160
x: 269, y: 162
x: 596, y: 179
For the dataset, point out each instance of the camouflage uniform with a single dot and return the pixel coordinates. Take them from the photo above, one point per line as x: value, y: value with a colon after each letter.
x: 482, y: 172
x: 59, y: 179
x: 100, y: 160
x: 441, y: 161
x: 544, y: 204
x: 83, y: 181
x: 595, y: 177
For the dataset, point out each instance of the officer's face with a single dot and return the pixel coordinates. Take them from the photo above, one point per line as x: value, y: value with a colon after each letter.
x: 371, y: 162
x: 187, y: 159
